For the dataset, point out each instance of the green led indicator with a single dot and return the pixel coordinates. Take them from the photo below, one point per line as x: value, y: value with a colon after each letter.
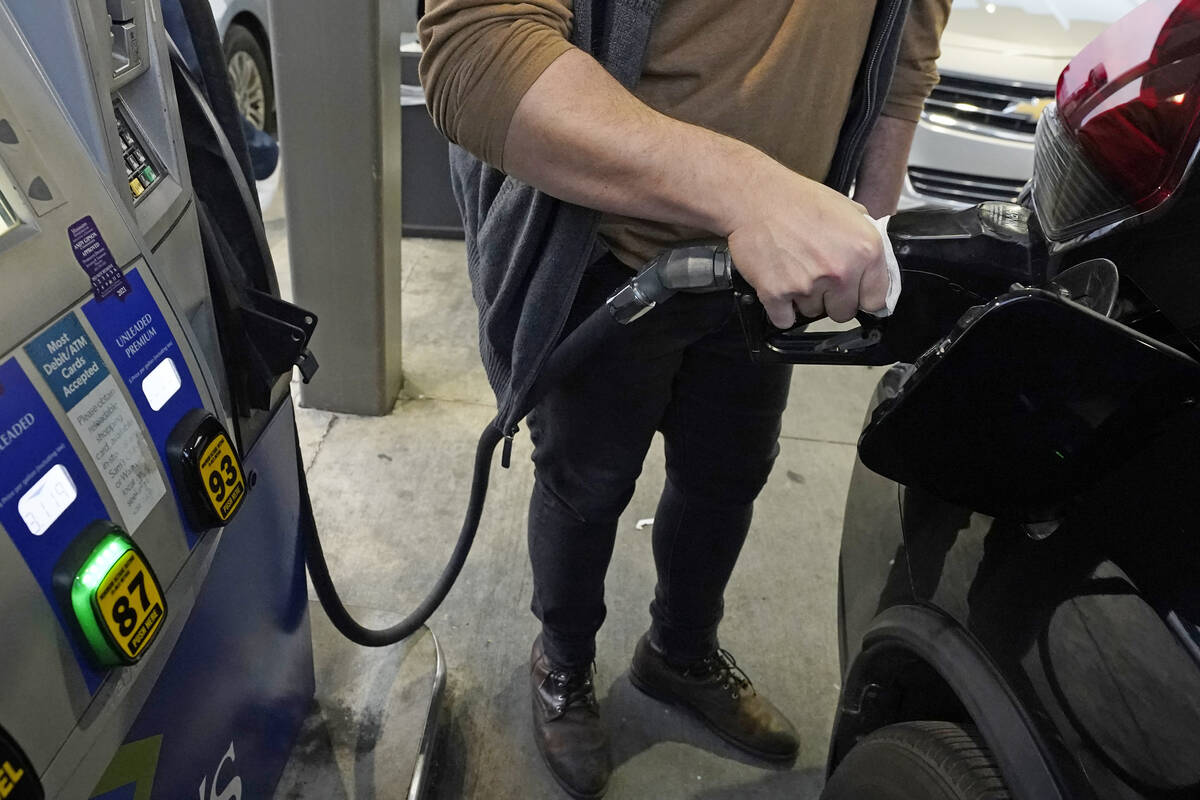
x: 87, y: 581
x: 101, y: 561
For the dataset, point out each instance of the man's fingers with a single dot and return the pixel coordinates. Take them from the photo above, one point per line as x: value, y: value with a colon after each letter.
x: 873, y: 287
x: 811, y: 306
x: 780, y: 312
x: 841, y: 307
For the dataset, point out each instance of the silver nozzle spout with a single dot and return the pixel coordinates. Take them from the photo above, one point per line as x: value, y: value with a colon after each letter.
x: 629, y: 303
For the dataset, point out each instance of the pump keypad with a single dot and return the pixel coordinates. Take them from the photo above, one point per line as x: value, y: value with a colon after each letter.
x: 140, y: 169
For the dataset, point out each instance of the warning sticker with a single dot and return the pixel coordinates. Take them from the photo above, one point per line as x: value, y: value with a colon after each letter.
x: 68, y: 360
x: 222, y: 477
x: 130, y: 604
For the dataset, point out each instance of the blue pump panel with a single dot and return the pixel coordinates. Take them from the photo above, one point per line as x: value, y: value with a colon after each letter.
x: 46, y: 496
x: 133, y: 332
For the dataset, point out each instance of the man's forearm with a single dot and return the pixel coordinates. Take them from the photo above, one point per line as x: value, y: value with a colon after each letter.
x: 881, y: 175
x: 579, y: 135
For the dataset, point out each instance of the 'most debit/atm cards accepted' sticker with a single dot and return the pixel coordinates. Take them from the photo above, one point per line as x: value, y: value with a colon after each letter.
x: 68, y: 361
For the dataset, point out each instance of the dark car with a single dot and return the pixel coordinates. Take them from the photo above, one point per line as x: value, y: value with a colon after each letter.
x: 1019, y: 585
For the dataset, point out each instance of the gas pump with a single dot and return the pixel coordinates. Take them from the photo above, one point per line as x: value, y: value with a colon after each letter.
x: 151, y: 578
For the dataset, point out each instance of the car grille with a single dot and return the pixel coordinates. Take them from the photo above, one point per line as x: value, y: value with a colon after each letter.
x: 1003, y: 109
x: 961, y: 187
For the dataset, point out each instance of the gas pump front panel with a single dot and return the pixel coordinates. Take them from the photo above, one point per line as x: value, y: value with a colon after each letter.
x: 96, y: 506
x: 100, y: 560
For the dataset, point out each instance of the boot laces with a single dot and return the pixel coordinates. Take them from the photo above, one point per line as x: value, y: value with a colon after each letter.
x: 723, y: 669
x: 574, y: 688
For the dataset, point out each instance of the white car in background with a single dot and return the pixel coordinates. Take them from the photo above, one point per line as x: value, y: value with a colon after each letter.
x: 999, y: 65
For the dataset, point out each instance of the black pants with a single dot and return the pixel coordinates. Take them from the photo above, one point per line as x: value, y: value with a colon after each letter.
x: 684, y: 370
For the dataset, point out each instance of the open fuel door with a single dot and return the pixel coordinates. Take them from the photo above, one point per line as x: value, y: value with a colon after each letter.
x: 1028, y: 402
x: 261, y: 335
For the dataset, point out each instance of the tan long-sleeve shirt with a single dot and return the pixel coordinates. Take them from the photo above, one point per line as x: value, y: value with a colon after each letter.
x: 776, y: 74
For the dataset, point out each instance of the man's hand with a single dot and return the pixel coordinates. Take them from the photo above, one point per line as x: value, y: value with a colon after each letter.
x: 579, y: 135
x: 805, y: 247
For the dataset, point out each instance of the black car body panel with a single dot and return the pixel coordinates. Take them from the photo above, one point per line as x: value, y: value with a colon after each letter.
x: 1075, y: 650
x: 1064, y: 624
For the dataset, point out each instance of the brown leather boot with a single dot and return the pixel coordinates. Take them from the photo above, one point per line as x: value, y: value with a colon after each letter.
x: 717, y: 690
x: 567, y: 726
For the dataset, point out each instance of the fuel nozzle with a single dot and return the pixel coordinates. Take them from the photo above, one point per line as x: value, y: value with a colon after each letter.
x: 950, y: 260
x: 695, y: 268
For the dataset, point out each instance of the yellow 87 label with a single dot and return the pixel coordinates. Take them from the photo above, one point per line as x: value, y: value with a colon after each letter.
x: 131, y: 605
x: 222, y: 477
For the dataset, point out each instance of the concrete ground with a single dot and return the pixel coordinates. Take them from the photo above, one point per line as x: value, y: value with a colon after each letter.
x: 389, y: 494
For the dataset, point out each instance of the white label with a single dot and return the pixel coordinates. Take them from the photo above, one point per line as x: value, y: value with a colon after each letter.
x: 47, y: 499
x: 161, y: 384
x: 232, y: 790
x: 110, y: 432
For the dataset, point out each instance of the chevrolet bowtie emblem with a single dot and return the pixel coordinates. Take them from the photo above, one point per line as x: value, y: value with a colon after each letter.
x: 1031, y: 109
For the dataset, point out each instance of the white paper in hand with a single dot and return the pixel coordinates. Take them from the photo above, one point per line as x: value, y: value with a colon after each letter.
x: 893, y: 268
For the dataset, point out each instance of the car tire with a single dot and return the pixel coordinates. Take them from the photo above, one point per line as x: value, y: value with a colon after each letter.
x: 250, y: 77
x: 918, y: 761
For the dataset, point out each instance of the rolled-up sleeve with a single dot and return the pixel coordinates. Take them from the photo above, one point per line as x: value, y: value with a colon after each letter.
x: 916, y: 69
x: 478, y: 60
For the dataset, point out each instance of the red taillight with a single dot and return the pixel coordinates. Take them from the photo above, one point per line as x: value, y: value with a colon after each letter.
x: 1132, y: 99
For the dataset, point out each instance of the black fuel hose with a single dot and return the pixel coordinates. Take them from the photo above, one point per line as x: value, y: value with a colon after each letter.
x: 574, y: 349
x: 318, y: 568
x: 214, y: 77
x: 571, y: 352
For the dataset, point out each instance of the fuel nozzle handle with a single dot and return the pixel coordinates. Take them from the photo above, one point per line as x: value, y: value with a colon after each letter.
x: 690, y: 268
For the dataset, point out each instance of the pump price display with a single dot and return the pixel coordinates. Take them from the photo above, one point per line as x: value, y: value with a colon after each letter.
x: 222, y: 477
x: 130, y: 604
x: 45, y: 502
